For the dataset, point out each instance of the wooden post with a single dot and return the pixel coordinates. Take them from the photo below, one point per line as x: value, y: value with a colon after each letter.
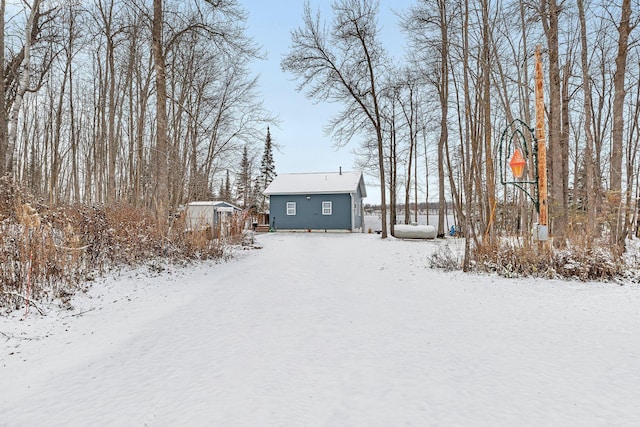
x: 542, y: 147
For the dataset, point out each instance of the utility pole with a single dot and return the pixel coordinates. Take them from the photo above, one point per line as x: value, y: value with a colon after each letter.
x: 543, y: 215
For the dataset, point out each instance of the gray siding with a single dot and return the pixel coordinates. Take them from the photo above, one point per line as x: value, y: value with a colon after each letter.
x: 309, y: 212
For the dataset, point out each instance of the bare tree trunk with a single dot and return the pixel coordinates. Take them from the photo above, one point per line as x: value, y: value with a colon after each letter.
x: 108, y: 112
x: 112, y: 148
x: 466, y: 154
x: 393, y: 189
x: 22, y: 88
x: 615, y: 173
x: 564, y: 135
x: 75, y: 179
x: 55, y: 146
x: 591, y: 206
x: 378, y: 125
x: 426, y: 174
x: 407, y: 188
x: 549, y: 14
x: 161, y: 195
x: 443, y: 95
x: 410, y: 114
x: 633, y: 142
x: 488, y: 146
x: 415, y: 180
x: 140, y: 176
x: 393, y: 175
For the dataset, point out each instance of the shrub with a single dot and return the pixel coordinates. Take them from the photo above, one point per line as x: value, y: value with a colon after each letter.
x: 52, y: 251
x: 513, y: 259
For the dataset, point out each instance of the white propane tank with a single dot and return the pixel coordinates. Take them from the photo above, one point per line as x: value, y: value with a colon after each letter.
x: 414, y: 231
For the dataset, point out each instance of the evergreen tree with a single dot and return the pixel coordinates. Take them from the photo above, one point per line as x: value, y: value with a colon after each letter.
x: 221, y: 191
x: 267, y: 171
x: 227, y: 189
x: 224, y: 194
x: 243, y: 186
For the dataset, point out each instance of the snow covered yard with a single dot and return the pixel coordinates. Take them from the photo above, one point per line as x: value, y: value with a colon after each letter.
x: 326, y: 330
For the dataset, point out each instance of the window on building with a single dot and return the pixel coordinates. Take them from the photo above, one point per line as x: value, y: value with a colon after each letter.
x: 327, y: 208
x: 291, y: 208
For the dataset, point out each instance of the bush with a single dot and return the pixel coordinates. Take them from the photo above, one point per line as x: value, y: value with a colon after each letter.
x: 52, y: 251
x: 513, y: 259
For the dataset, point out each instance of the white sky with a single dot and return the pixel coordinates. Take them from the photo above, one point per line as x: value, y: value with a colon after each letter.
x: 303, y: 145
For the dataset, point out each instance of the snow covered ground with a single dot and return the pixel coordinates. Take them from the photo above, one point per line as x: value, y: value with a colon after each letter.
x: 326, y: 330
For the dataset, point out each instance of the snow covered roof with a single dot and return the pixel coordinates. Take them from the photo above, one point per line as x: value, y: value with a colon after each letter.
x: 214, y: 203
x: 317, y: 183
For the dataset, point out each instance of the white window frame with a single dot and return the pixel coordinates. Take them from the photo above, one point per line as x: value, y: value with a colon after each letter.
x: 327, y: 208
x: 291, y: 208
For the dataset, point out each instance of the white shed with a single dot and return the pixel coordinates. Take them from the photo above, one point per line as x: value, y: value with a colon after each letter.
x: 209, y: 214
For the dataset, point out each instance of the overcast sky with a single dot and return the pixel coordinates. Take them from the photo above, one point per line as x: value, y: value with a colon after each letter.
x: 304, y: 147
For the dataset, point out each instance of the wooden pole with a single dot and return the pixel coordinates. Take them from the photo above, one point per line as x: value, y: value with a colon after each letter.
x: 542, y: 147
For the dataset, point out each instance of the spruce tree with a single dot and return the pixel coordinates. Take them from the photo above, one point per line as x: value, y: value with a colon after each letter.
x: 267, y: 171
x: 221, y: 191
x: 227, y: 189
x: 243, y: 186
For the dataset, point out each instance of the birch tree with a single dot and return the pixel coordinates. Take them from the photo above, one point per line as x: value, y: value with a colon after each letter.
x: 23, y: 84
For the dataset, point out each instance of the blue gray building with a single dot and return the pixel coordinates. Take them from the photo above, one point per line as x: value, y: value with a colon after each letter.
x: 317, y: 201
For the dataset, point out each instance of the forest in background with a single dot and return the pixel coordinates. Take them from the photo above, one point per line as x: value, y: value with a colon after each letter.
x: 84, y: 111
x: 151, y: 104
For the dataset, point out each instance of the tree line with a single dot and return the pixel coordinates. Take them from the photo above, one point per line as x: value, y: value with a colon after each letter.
x: 152, y: 103
x: 146, y: 103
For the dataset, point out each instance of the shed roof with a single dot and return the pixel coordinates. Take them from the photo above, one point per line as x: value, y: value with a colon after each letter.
x: 317, y: 183
x: 213, y: 203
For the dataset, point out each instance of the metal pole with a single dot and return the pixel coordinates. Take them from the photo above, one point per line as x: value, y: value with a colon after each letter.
x: 540, y: 135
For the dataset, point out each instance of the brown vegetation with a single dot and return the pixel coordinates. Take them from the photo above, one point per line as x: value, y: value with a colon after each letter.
x: 517, y: 257
x: 53, y: 251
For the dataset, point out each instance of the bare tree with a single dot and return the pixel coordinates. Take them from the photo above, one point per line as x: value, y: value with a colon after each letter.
x: 12, y: 133
x: 344, y: 67
x: 588, y: 155
x: 487, y: 63
x: 550, y: 12
x: 625, y: 27
x: 409, y: 103
x: 428, y: 26
x: 443, y: 93
x: 161, y: 194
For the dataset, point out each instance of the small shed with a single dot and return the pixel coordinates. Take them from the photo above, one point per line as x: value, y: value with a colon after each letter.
x: 214, y: 215
x: 328, y: 201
